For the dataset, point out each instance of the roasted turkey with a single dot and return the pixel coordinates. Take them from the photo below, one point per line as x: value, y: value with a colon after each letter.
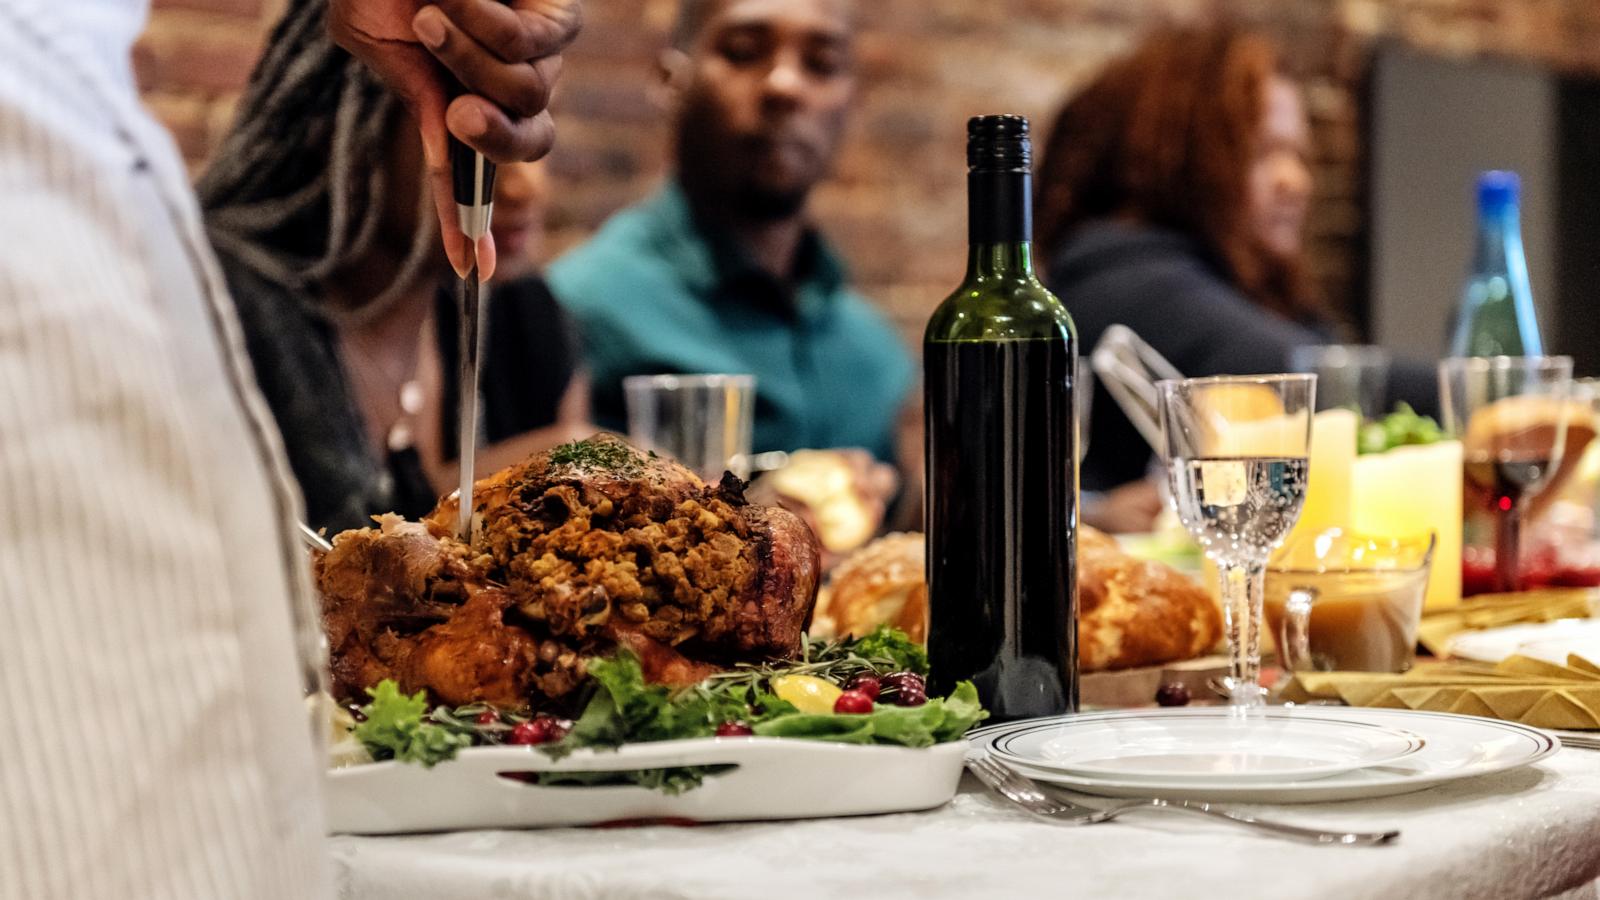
x: 575, y: 551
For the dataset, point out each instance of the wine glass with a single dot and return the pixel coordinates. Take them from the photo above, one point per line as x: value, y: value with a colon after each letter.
x: 1510, y: 414
x: 1236, y: 448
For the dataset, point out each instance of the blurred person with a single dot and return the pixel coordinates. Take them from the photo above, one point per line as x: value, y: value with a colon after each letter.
x: 318, y: 207
x: 1173, y: 193
x: 157, y: 743
x: 723, y: 269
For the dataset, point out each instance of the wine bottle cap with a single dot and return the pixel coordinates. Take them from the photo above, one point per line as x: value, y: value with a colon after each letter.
x: 998, y: 144
x: 1498, y: 190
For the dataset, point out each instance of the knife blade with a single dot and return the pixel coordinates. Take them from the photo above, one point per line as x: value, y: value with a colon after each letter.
x: 472, y: 183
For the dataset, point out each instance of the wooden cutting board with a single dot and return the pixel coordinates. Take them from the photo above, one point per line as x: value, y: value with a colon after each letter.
x: 1137, y: 687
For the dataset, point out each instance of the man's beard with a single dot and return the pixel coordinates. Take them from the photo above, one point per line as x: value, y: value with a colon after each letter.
x: 709, y: 164
x: 759, y: 204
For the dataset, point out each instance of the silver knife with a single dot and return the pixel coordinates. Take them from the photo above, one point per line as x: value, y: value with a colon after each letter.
x: 472, y: 182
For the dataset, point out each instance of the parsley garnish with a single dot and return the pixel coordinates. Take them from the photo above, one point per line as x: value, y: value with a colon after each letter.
x: 593, y: 453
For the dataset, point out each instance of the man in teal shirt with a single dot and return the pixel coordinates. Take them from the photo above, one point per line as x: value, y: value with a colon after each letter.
x: 721, y: 270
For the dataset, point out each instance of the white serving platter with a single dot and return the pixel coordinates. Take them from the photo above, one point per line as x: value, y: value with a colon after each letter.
x: 1457, y: 747
x: 1205, y: 745
x: 774, y: 778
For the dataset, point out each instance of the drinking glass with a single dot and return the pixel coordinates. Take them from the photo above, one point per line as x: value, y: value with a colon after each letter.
x: 1349, y: 376
x: 1510, y: 414
x: 703, y: 421
x: 1236, y: 448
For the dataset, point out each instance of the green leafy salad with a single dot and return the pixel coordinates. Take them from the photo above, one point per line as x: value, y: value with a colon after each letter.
x: 865, y: 691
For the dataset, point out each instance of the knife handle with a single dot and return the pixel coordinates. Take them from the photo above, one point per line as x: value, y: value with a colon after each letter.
x: 471, y: 178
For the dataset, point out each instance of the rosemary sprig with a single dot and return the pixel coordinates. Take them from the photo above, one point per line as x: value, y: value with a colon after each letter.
x: 836, y: 660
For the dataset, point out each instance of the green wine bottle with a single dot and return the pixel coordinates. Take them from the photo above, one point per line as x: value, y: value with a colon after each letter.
x: 1002, y: 462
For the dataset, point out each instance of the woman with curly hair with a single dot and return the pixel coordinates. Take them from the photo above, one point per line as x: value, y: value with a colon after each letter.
x: 1172, y: 199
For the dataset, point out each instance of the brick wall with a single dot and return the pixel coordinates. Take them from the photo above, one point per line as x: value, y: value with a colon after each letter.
x: 896, y: 204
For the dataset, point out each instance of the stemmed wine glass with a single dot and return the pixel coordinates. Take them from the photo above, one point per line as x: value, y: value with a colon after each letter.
x: 1510, y: 414
x: 1235, y: 449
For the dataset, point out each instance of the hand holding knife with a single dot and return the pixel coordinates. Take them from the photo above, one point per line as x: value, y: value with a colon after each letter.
x: 507, y: 54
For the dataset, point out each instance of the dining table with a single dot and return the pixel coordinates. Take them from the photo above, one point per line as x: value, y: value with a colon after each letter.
x: 1532, y: 832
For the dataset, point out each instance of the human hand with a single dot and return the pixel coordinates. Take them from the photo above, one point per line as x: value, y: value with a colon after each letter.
x: 505, y: 55
x: 1130, y: 507
x: 841, y: 494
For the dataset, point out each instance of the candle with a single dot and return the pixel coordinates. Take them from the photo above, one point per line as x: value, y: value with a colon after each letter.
x: 1333, y: 453
x: 1409, y: 492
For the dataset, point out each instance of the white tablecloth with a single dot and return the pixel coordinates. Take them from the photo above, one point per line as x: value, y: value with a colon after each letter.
x: 1524, y: 834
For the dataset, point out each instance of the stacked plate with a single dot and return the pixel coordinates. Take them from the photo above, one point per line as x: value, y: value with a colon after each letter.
x: 1278, y: 754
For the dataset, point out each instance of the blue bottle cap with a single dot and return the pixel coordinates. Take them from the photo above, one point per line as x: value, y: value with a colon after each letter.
x: 1498, y: 190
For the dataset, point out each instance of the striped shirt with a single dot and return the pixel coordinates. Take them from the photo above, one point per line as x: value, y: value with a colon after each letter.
x: 154, y: 741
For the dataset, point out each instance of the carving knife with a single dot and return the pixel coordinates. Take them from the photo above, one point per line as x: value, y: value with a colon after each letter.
x: 472, y: 183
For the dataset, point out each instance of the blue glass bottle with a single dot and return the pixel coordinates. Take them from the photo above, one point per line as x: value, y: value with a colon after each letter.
x: 1496, y: 316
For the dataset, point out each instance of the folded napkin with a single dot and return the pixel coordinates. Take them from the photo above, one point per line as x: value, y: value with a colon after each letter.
x: 1494, y: 610
x: 1520, y: 689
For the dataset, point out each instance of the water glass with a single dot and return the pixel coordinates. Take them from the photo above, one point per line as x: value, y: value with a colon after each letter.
x: 1236, y: 450
x: 1349, y: 376
x: 704, y: 422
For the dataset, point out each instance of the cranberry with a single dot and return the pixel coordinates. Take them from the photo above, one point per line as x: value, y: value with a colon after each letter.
x: 1173, y: 693
x: 866, y: 683
x: 911, y: 695
x: 853, y: 702
x: 558, y: 728
x: 540, y: 729
x: 530, y: 732
x: 908, y: 688
x: 734, y: 729
x: 488, y: 717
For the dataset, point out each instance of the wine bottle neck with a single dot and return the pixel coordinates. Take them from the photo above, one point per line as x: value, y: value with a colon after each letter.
x: 1000, y: 260
x: 999, y: 207
x: 999, y: 222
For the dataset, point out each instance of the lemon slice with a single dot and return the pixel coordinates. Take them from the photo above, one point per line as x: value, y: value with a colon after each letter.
x: 807, y: 693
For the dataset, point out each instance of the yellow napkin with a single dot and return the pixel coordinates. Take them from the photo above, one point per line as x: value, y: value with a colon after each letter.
x: 1520, y: 689
x: 1494, y: 610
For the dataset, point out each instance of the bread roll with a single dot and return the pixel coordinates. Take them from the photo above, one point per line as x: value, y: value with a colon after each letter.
x: 1130, y: 612
x: 1134, y: 612
x: 883, y: 583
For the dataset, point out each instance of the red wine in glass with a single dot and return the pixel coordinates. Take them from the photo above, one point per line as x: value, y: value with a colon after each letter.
x: 1506, y: 482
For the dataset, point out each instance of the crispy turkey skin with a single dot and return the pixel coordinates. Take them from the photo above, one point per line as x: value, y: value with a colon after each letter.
x: 575, y: 551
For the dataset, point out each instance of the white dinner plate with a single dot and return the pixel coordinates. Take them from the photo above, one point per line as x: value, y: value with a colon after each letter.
x: 767, y: 778
x: 1549, y: 641
x: 1457, y: 747
x: 1209, y: 745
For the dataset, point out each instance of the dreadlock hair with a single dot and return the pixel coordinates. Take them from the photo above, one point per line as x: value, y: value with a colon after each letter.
x: 296, y: 189
x: 692, y: 17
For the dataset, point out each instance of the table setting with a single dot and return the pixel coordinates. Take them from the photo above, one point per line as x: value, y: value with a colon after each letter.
x: 1522, y: 833
x: 1343, y: 765
x: 620, y: 669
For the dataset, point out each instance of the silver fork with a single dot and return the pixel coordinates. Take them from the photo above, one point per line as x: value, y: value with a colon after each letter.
x: 1026, y: 793
x: 1578, y: 740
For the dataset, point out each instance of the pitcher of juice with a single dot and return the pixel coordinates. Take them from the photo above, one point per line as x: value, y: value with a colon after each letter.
x: 1349, y: 603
